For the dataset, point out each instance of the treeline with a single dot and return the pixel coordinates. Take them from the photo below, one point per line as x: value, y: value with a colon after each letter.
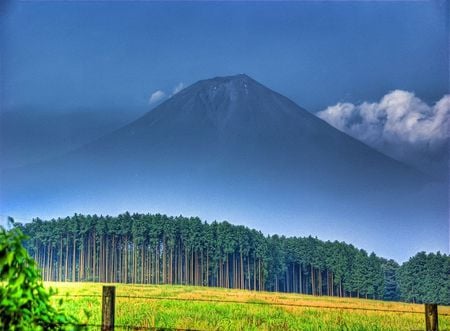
x: 157, y: 249
x: 425, y: 278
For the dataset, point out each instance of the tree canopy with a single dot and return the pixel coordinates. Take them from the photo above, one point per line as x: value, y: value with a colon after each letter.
x: 158, y: 249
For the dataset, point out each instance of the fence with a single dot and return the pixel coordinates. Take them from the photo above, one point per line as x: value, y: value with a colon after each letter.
x: 109, y: 301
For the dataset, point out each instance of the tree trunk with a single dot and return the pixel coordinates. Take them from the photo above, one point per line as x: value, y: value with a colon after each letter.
x: 73, y: 258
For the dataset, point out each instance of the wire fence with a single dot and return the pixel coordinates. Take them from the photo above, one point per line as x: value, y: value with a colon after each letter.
x: 262, y: 303
x: 108, y: 299
x: 132, y: 328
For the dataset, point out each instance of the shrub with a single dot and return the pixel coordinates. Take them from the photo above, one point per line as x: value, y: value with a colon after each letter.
x: 24, y: 302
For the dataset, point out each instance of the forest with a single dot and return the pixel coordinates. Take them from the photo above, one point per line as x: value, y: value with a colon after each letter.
x: 158, y: 249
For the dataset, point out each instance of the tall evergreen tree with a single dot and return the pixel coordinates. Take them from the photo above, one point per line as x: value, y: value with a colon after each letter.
x: 156, y: 249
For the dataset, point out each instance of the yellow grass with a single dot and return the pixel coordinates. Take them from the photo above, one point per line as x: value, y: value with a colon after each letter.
x: 202, y: 308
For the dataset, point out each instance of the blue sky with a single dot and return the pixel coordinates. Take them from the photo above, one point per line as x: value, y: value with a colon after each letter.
x: 63, y: 55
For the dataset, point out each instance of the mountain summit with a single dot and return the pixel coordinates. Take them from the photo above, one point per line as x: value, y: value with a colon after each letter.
x: 225, y: 101
x: 235, y: 123
x: 230, y: 148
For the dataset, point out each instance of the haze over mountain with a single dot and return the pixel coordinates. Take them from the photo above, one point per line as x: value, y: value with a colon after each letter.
x: 33, y: 135
x: 230, y: 148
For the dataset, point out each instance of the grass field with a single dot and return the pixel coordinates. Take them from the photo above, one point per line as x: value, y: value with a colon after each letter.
x: 186, y: 307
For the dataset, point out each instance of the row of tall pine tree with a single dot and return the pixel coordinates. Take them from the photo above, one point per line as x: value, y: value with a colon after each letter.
x: 157, y: 249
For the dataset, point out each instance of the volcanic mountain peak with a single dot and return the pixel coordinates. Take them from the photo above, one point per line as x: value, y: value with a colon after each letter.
x: 238, y: 80
x: 233, y: 102
x: 232, y: 120
x: 234, y: 78
x: 227, y: 88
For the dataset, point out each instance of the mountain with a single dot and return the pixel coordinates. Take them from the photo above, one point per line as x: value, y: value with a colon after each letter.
x: 231, y: 148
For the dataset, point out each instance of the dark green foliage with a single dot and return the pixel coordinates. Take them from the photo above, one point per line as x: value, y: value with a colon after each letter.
x: 157, y: 249
x: 391, y: 291
x: 425, y: 278
x: 24, y: 303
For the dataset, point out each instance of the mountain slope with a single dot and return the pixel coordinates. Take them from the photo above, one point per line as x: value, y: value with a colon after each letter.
x: 228, y: 147
x: 235, y: 119
x: 235, y: 125
x: 30, y: 136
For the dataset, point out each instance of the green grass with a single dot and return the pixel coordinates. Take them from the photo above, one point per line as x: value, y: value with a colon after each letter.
x: 178, y: 307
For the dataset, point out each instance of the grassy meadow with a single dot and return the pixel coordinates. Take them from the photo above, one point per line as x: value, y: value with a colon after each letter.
x: 165, y: 306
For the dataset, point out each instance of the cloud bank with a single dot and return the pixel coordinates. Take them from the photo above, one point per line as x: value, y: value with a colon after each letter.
x: 400, y: 125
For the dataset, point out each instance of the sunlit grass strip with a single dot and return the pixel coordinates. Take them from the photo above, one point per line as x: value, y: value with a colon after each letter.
x: 132, y: 297
x: 202, y: 308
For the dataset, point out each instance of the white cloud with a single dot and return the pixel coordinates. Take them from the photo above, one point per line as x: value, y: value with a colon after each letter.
x: 156, y: 96
x: 159, y: 95
x: 178, y: 88
x: 400, y: 125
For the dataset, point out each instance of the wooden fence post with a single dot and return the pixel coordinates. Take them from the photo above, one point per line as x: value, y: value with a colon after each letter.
x: 108, y: 307
x: 431, y: 317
